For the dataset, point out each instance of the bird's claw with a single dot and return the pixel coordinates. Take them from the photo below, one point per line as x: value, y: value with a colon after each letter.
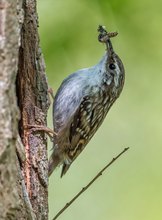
x: 48, y: 131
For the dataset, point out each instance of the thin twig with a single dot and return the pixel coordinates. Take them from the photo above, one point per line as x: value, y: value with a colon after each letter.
x: 89, y: 184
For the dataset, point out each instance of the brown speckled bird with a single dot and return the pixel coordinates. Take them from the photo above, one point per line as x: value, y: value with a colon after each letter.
x: 82, y: 102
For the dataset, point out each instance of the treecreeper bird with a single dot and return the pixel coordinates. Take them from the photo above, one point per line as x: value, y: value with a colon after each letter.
x: 82, y: 102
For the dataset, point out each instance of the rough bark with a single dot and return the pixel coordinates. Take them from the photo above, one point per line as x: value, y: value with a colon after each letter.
x: 33, y: 103
x: 23, y: 183
x: 9, y: 201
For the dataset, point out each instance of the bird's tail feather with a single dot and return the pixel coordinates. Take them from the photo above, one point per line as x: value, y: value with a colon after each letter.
x: 65, y: 167
x: 54, y: 161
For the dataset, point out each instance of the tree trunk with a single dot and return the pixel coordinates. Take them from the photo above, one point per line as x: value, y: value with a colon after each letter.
x: 23, y: 179
x: 8, y: 109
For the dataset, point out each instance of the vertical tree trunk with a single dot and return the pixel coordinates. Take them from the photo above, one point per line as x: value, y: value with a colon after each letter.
x: 20, y: 53
x: 8, y: 109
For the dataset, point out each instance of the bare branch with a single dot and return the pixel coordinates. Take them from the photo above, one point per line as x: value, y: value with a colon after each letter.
x: 89, y: 184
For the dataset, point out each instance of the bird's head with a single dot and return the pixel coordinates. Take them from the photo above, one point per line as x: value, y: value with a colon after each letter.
x: 114, y: 64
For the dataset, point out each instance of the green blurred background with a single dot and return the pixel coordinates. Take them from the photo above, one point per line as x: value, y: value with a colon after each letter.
x: 132, y: 188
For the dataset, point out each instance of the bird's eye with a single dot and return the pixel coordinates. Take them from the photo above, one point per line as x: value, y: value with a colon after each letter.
x: 112, y: 66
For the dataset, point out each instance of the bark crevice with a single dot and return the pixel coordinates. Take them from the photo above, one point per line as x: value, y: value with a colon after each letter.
x: 24, y: 100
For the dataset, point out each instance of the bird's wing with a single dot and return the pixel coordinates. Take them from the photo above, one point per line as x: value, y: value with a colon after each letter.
x: 78, y: 131
x: 84, y: 124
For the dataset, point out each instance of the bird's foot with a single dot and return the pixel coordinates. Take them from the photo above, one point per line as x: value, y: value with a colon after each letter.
x: 51, y: 92
x: 48, y: 131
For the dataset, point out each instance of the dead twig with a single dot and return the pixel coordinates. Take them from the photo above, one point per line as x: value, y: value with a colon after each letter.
x: 89, y: 184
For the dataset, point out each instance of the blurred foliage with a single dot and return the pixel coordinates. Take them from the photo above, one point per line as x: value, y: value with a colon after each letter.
x: 131, y: 189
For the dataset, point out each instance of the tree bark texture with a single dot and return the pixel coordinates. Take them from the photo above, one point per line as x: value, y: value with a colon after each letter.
x: 23, y: 179
x: 33, y: 103
x: 9, y: 201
